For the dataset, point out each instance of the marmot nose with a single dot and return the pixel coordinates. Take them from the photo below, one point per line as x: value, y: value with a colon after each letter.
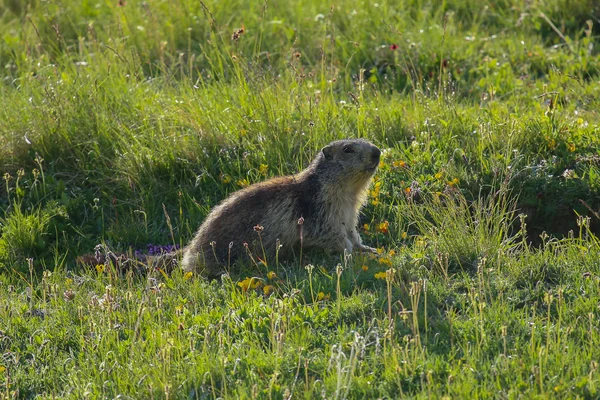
x: 376, y: 153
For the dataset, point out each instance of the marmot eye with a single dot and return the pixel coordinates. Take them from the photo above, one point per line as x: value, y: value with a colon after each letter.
x: 348, y: 149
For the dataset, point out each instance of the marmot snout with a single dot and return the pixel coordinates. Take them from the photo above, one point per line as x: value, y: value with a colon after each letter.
x: 318, y: 207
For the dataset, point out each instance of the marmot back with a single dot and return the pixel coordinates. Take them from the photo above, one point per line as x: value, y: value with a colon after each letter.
x: 318, y: 207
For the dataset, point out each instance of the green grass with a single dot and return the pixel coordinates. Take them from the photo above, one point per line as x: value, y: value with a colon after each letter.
x: 124, y: 125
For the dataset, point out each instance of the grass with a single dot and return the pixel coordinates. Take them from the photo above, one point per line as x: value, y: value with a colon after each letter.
x: 123, y: 123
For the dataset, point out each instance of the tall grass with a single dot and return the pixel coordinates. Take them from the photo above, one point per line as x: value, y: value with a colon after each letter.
x: 123, y: 123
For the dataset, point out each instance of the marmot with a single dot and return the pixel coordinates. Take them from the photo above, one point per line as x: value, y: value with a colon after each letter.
x: 317, y: 207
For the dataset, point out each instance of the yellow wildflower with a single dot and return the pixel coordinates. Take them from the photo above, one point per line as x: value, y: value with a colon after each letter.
x: 453, y: 182
x: 385, y: 260
x: 380, y: 275
x: 365, y: 268
x: 225, y: 178
x: 244, y: 284
x: 323, y: 296
x: 438, y: 175
x: 571, y: 147
x: 404, y: 235
x: 268, y: 289
x: 271, y: 275
x: 100, y: 268
x: 407, y: 190
x: 243, y: 182
x: 375, y: 193
x: 366, y: 227
x: 383, y: 227
x: 263, y: 169
x: 256, y: 284
x: 188, y: 275
x: 250, y: 283
x: 400, y: 164
x: 376, y: 189
x: 392, y: 253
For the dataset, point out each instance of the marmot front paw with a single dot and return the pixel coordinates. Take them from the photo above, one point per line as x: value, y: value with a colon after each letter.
x: 367, y: 249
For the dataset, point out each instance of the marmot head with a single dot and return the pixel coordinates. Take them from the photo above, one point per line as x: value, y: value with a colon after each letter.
x: 353, y: 161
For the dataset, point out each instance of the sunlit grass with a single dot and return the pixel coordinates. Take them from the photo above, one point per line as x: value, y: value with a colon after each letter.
x: 123, y: 123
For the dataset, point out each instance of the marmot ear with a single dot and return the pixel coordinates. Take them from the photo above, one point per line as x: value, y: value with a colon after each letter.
x: 328, y: 152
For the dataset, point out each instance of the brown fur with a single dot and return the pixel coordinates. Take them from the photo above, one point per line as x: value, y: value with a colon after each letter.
x: 328, y: 195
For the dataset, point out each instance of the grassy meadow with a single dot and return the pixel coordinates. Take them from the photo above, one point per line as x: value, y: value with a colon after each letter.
x: 123, y: 122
